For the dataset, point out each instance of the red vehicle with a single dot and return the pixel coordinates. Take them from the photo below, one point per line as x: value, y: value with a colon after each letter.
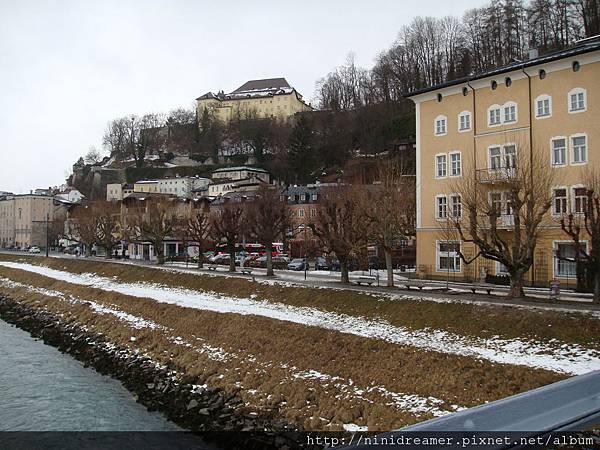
x: 250, y: 248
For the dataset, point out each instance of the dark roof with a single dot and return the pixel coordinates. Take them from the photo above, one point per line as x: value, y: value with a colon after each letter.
x: 581, y: 47
x: 267, y: 83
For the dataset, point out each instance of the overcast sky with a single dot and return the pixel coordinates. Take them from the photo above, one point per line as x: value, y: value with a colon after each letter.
x: 67, y: 67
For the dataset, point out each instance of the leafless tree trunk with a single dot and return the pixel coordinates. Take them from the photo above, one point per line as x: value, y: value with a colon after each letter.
x: 269, y: 218
x: 577, y: 226
x: 226, y: 224
x: 505, y: 228
x: 392, y: 210
x: 157, y: 223
x: 342, y: 224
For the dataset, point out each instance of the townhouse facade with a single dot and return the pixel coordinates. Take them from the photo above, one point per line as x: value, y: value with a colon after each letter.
x: 547, y: 108
x: 265, y: 98
x: 24, y: 218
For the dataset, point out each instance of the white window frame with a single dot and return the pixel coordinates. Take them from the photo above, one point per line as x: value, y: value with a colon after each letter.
x: 502, y: 201
x: 437, y: 207
x: 502, y: 148
x: 450, y: 165
x: 438, y: 155
x: 553, y: 209
x: 573, y: 198
x: 450, y: 206
x: 504, y: 108
x: 499, y: 269
x: 489, y: 116
x: 556, y: 260
x: 438, y: 254
x: 541, y: 98
x: 574, y: 91
x: 467, y: 115
x: 572, y: 149
x: 552, y: 162
x: 435, y: 125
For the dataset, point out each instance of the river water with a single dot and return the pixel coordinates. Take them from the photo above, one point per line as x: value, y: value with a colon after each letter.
x: 42, y: 389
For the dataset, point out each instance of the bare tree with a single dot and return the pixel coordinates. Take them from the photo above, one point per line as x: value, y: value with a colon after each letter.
x: 157, y: 223
x: 503, y: 222
x: 198, y: 231
x: 269, y: 218
x: 108, y: 216
x: 83, y: 221
x: 342, y: 225
x: 392, y: 210
x: 226, y: 224
x: 587, y: 223
x: 93, y: 156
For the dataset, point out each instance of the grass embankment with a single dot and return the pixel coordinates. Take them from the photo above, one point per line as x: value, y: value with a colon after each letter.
x: 264, y: 358
x: 461, y: 318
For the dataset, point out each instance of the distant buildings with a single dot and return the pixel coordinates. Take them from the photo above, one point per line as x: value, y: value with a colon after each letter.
x: 24, y: 219
x: 272, y: 97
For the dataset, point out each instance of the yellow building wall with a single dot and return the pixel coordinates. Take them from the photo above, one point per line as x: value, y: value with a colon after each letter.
x: 559, y: 81
x: 279, y: 106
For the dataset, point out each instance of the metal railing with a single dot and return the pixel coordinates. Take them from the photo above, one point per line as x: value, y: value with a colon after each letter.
x: 569, y: 405
x: 496, y: 175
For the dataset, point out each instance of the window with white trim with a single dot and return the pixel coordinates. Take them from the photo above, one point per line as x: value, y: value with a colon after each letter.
x: 464, y: 121
x: 501, y: 269
x: 565, y: 259
x: 579, y: 149
x: 441, y: 207
x: 577, y: 100
x: 495, y: 158
x: 502, y: 157
x: 448, y: 258
x: 456, y: 206
x: 455, y: 164
x: 560, y: 201
x: 580, y: 198
x: 496, y: 203
x: 441, y: 166
x: 510, y: 112
x: 301, y: 212
x: 559, y: 151
x: 543, y: 106
x: 510, y: 156
x: 440, y: 125
x: 494, y: 115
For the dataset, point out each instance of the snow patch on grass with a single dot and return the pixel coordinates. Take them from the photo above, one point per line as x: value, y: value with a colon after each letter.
x: 554, y: 355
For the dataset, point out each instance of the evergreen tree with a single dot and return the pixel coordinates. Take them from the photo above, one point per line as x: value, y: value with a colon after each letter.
x: 302, y: 158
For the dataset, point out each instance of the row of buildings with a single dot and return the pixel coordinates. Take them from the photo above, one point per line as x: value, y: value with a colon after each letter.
x: 222, y: 181
x: 546, y: 109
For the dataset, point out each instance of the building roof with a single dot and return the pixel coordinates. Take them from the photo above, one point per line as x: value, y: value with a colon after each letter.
x: 261, y: 85
x: 580, y: 47
x: 254, y: 88
x: 239, y: 168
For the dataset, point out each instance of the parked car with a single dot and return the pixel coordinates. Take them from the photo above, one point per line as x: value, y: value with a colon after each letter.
x: 296, y: 264
x: 221, y: 258
x: 322, y: 264
x: 34, y: 249
x: 279, y: 262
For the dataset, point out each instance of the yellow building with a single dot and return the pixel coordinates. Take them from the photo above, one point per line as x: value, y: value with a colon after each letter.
x: 479, y: 126
x: 272, y: 97
x: 149, y: 186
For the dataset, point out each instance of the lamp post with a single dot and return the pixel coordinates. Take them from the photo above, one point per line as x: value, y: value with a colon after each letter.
x: 47, y: 234
x: 305, y: 253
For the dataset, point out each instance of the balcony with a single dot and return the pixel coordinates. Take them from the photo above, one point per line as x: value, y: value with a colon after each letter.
x: 496, y: 175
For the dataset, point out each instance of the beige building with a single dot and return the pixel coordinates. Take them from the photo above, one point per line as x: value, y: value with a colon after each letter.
x: 148, y: 186
x: 272, y: 97
x: 23, y: 219
x: 479, y: 127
